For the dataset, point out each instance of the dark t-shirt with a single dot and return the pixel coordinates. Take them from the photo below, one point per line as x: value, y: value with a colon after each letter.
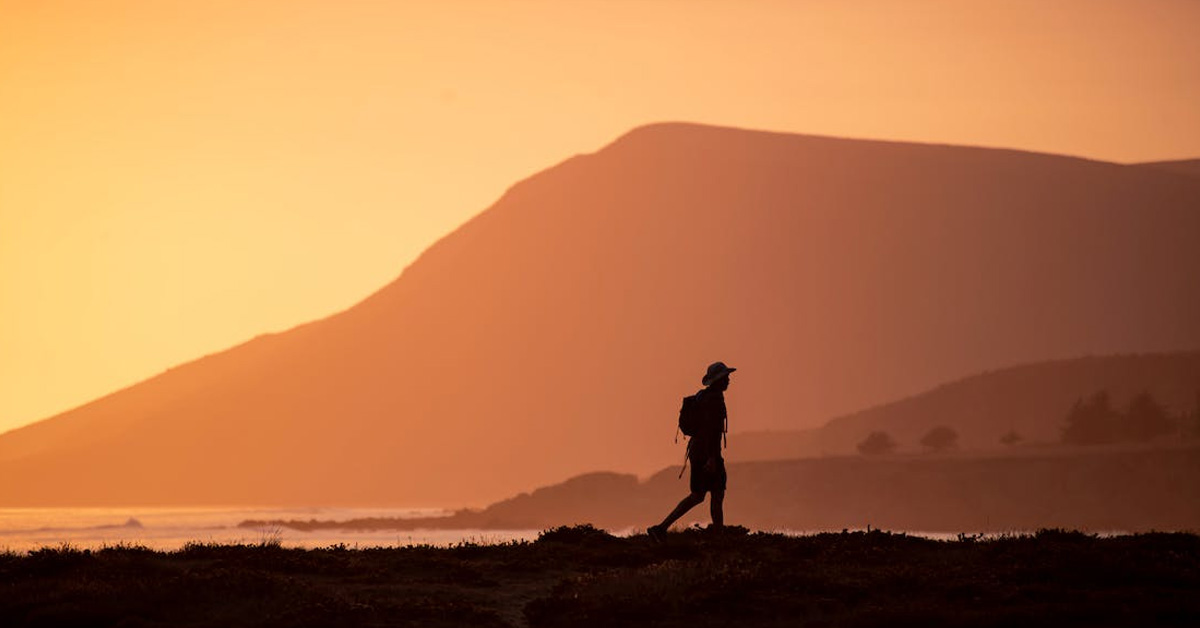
x: 706, y: 443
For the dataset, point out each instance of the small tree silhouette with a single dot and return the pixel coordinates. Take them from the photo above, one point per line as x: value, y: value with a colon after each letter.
x: 1011, y: 438
x: 1196, y: 417
x: 940, y: 439
x: 877, y: 444
x: 1145, y: 419
x: 1091, y: 422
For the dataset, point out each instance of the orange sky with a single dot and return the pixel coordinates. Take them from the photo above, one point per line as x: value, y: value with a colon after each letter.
x: 176, y: 177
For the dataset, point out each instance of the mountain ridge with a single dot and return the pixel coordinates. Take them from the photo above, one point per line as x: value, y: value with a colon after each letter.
x: 555, y: 331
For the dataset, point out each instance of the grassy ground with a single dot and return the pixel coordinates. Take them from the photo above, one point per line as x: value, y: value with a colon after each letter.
x: 582, y: 577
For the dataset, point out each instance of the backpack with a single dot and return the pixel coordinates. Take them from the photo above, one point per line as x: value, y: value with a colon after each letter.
x: 689, y: 414
x: 689, y: 424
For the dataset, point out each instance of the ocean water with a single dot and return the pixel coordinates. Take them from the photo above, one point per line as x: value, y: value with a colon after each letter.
x: 25, y: 529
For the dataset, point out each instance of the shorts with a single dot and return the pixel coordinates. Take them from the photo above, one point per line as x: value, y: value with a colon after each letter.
x: 703, y: 481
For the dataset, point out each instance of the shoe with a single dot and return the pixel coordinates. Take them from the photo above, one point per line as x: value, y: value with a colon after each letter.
x: 657, y: 533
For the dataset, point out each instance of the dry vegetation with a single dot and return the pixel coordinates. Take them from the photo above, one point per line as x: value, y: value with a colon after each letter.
x: 582, y: 577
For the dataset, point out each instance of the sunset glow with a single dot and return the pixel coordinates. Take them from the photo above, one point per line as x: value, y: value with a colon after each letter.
x: 599, y: 313
x: 178, y: 177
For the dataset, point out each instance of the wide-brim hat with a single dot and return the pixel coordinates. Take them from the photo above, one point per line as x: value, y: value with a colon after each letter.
x: 716, y: 371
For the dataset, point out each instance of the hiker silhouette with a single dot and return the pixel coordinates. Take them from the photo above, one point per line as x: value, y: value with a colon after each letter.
x: 703, y: 418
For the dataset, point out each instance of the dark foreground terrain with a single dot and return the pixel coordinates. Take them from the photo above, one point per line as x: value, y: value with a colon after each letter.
x: 582, y: 577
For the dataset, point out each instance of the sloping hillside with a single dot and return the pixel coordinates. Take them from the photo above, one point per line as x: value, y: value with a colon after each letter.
x: 1190, y: 167
x: 554, y: 333
x: 1031, y: 399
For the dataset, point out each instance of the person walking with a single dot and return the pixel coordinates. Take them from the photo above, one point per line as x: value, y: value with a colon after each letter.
x: 711, y: 422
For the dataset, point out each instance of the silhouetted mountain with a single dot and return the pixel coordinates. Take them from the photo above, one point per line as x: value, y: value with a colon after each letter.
x: 556, y: 332
x: 1189, y: 167
x: 1032, y: 399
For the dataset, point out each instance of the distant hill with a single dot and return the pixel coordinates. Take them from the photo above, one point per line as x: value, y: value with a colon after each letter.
x: 1031, y: 399
x: 554, y: 333
x: 1113, y: 489
x: 1189, y: 167
x: 1101, y: 489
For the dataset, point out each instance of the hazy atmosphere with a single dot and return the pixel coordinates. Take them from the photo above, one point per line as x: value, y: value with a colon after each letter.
x: 179, y: 177
x: 599, y: 313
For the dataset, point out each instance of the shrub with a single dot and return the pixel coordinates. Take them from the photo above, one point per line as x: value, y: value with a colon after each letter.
x: 1011, y: 438
x: 1145, y: 419
x: 877, y: 444
x: 1091, y: 422
x: 940, y: 439
x: 573, y: 534
x: 1195, y: 418
x: 1095, y: 422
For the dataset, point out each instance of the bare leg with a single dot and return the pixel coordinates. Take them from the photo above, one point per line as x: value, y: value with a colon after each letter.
x: 718, y: 513
x: 685, y: 505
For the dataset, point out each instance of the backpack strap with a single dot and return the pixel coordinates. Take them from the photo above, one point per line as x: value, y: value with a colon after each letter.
x: 685, y: 458
x: 687, y: 452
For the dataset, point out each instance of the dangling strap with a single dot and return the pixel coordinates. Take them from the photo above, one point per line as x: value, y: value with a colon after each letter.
x: 685, y: 457
x: 725, y: 432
